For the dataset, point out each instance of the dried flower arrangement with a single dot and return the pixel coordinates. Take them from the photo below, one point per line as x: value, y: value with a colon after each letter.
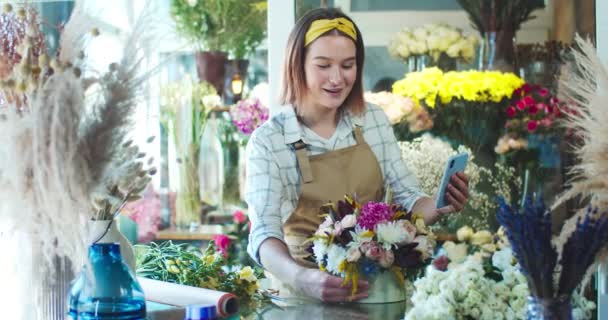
x: 57, y: 148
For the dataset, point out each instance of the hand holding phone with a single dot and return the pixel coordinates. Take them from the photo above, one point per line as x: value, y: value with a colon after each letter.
x: 456, y: 163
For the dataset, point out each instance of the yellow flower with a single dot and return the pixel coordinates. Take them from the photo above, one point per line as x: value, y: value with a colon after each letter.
x: 465, y: 233
x: 474, y: 86
x: 174, y: 269
x: 208, y: 259
x: 481, y: 237
x: 247, y: 274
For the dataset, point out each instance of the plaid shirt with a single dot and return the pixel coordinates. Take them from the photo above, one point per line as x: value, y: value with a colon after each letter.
x: 273, y: 176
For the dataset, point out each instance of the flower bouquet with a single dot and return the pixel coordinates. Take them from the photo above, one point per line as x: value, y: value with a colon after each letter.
x: 443, y: 43
x: 477, y: 278
x: 408, y: 118
x: 178, y: 263
x: 532, y: 134
x: 377, y: 241
x: 465, y: 105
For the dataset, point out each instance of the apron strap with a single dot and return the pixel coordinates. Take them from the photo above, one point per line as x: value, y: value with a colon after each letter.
x: 359, y: 135
x: 303, y: 162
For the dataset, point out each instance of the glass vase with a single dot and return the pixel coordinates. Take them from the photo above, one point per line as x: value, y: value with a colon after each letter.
x: 211, y: 165
x: 106, y: 231
x: 187, y: 201
x: 549, y: 309
x: 106, y: 288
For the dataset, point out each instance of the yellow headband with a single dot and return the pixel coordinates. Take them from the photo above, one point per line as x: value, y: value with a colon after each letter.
x: 319, y: 27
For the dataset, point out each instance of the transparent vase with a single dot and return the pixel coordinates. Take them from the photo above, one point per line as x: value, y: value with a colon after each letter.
x: 211, y: 165
x: 549, y: 309
x: 106, y: 288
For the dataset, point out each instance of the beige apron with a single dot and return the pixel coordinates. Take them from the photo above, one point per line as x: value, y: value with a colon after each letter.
x: 327, y: 177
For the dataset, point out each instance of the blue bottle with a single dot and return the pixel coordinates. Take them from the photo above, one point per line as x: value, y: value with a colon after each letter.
x: 106, y: 288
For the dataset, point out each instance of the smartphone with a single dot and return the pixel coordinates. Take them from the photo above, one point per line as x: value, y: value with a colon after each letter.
x: 456, y: 163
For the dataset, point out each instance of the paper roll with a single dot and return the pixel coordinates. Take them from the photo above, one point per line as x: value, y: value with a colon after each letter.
x: 182, y: 296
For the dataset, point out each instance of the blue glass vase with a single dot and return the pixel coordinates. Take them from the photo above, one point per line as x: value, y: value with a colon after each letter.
x: 106, y: 288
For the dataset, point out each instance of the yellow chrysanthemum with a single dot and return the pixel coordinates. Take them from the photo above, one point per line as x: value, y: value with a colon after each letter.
x: 474, y: 86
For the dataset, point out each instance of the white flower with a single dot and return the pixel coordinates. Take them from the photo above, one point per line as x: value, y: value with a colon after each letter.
x: 349, y: 221
x: 211, y: 101
x: 503, y: 259
x: 335, y: 256
x: 391, y: 233
x: 353, y: 254
x: 319, y: 249
x: 326, y: 227
x: 191, y: 3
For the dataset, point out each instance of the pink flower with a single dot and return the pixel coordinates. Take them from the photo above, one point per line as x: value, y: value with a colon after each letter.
x: 521, y: 104
x: 373, y: 251
x: 553, y: 100
x: 526, y: 88
x: 239, y: 217
x: 511, y: 111
x: 373, y: 213
x: 546, y: 122
x: 222, y: 242
x: 529, y: 101
x: 387, y: 257
x: 543, y: 92
x: 441, y: 263
x: 248, y: 114
x: 532, y: 125
x: 533, y: 109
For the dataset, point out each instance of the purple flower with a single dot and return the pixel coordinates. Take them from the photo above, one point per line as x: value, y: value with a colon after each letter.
x: 373, y: 213
x: 248, y: 114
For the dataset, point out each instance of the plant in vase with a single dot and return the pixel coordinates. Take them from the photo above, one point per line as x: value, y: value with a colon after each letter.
x: 532, y: 130
x: 125, y: 178
x: 184, y: 111
x: 377, y: 241
x: 465, y: 105
x: 407, y: 118
x: 569, y: 257
x: 443, y: 43
x: 247, y: 115
x: 498, y: 22
x: 236, y: 27
x: 59, y: 142
x: 427, y: 156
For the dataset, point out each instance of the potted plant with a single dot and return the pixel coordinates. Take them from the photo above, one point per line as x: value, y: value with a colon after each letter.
x: 219, y: 28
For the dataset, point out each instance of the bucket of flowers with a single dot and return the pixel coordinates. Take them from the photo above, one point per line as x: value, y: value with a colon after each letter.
x: 378, y: 241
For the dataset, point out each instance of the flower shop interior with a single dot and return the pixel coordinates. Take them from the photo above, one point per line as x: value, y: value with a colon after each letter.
x: 125, y: 126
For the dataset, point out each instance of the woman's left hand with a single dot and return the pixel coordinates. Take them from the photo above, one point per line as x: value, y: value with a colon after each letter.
x: 457, y: 193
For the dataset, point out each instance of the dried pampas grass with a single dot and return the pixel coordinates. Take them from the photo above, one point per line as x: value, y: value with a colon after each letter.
x: 54, y: 155
x: 586, y: 86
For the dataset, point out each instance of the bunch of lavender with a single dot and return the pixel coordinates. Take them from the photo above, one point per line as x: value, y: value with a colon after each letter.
x: 529, y: 233
x: 124, y: 183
